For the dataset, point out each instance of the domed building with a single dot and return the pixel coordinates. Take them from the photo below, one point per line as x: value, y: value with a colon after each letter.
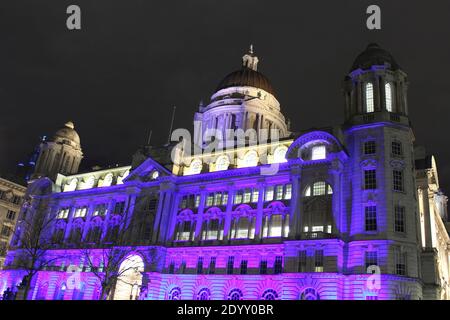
x: 351, y: 212
x: 62, y: 154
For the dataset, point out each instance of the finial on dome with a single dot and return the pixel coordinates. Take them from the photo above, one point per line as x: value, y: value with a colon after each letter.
x: 249, y: 60
x: 70, y: 125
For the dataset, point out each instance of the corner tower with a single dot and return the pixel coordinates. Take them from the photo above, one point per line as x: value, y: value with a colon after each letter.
x: 382, y: 217
x: 62, y: 154
x: 244, y: 99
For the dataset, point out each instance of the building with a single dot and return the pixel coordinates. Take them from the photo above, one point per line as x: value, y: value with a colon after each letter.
x: 345, y: 212
x: 11, y: 195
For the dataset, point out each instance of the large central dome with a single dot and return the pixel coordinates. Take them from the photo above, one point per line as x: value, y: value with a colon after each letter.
x: 247, y: 75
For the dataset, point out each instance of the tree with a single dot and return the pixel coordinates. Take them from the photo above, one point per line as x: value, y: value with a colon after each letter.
x: 32, y: 241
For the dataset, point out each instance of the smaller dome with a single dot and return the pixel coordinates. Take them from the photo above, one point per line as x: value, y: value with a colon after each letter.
x: 68, y: 133
x: 374, y: 55
x: 246, y: 77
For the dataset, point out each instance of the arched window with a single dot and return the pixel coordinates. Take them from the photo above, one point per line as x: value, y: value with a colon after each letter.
x: 251, y: 159
x: 243, y: 228
x: 279, y: 154
x: 276, y: 224
x: 174, y: 294
x: 369, y: 97
x: 95, y: 233
x: 196, y: 166
x: 58, y: 235
x: 213, y: 229
x: 309, y: 294
x: 317, y: 206
x: 107, y: 181
x: 71, y: 186
x: 388, y: 94
x: 269, y: 294
x: 203, y: 294
x: 222, y: 163
x: 60, y: 291
x: 76, y: 234
x: 235, y: 294
x: 319, y: 188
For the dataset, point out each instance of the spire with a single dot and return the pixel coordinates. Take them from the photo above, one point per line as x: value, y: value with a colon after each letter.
x: 250, y: 60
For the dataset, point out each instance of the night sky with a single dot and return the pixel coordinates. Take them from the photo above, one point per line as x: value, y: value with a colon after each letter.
x: 119, y: 77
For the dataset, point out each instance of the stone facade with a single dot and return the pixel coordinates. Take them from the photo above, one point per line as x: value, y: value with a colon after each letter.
x: 332, y: 213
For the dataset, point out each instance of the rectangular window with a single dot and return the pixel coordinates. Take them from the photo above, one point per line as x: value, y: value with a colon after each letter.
x: 152, y: 204
x: 318, y: 261
x: 183, y: 202
x: 370, y: 147
x: 288, y: 192
x: 319, y: 188
x: 370, y: 218
x: 302, y: 261
x: 197, y: 201
x: 182, y: 267
x: 370, y: 179
x: 317, y: 229
x: 278, y: 265
x: 230, y: 265
x: 238, y: 197
x: 244, y: 267
x: 396, y: 148
x: 172, y: 268
x: 80, y: 212
x: 212, y: 265
x: 63, y: 213
x: 318, y: 152
x: 200, y: 265
x: 400, y: 262
x: 255, y: 195
x: 263, y: 267
x: 218, y: 199
x: 225, y: 198
x: 119, y: 207
x: 269, y: 193
x: 11, y: 215
x: 247, y: 195
x: 397, y: 177
x: 16, y: 199
x: 399, y: 219
x: 210, y: 200
x: 371, y: 259
x: 279, y: 192
x: 6, y: 231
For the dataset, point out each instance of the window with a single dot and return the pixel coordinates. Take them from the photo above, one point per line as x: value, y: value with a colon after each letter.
x: 288, y: 192
x: 222, y: 163
x: 251, y: 159
x: 230, y: 265
x: 279, y: 192
x: 10, y: 215
x: 200, y: 265
x: 204, y: 294
x: 80, y: 212
x: 371, y: 259
x: 247, y: 195
x: 238, y: 197
x: 184, y: 231
x: 63, y: 213
x: 369, y: 98
x: 269, y: 294
x: 119, y: 207
x: 302, y: 261
x: 396, y: 148
x: 371, y: 297
x: 276, y: 223
x: 6, y: 231
x: 197, y: 201
x: 172, y: 268
x: 319, y: 188
x: 174, y: 294
x: 278, y: 265
x: 370, y: 147
x: 218, y: 199
x: 196, y: 166
x: 244, y: 267
x: 309, y: 294
x: 370, y: 218
x: 397, y: 179
x: 100, y: 210
x: 235, y: 294
x: 213, y: 226
x: 399, y: 219
x: 388, y: 93
x: 212, y: 265
x: 269, y: 193
x: 243, y: 225
x: 210, y: 200
x: 263, y: 267
x: 16, y: 199
x: 318, y: 152
x: 370, y: 179
x: 400, y: 262
x: 308, y: 191
x: 280, y: 154
x: 318, y: 261
x: 255, y: 195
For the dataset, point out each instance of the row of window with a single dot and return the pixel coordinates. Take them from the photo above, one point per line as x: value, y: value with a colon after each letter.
x: 370, y: 147
x: 370, y: 180
x: 400, y: 258
x: 370, y: 214
x: 369, y: 92
x: 248, y: 195
x: 99, y: 210
x: 8, y: 196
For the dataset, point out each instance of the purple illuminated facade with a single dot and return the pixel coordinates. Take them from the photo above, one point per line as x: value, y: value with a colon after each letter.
x: 338, y: 220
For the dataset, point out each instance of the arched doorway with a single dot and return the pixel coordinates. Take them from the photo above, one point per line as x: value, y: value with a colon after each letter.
x: 130, y: 280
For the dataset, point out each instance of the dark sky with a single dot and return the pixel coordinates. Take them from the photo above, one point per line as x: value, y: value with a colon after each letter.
x: 133, y: 60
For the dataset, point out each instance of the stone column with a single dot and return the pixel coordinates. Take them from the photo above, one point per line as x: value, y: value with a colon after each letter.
x: 426, y: 216
x: 158, y: 216
x: 173, y: 218
x: 259, y: 210
x: 201, y: 208
x: 227, y: 226
x: 294, y: 214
